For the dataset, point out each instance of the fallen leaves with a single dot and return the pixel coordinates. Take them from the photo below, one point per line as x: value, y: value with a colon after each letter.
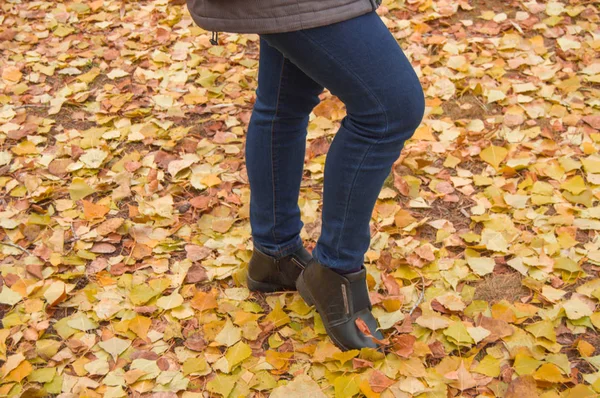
x: 124, y: 223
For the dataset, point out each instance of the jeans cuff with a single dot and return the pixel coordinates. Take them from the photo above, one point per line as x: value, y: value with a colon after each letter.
x: 281, y: 250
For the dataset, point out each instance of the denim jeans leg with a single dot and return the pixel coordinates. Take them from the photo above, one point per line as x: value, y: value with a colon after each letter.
x: 275, y: 149
x: 361, y: 63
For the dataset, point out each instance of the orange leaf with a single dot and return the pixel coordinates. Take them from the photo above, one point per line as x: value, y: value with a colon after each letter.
x: 203, y: 301
x: 92, y: 211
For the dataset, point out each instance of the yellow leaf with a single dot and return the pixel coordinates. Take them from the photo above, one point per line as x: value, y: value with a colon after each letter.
x: 585, y: 348
x: 524, y: 364
x: 210, y: 180
x: 55, y: 293
x: 11, y: 363
x: 581, y: 391
x: 24, y: 148
x: 488, y: 366
x: 463, y: 379
x: 93, y: 158
x: 494, y: 155
x: 301, y: 387
x: 458, y: 334
x: 222, y: 384
x: 79, y: 189
x: 115, y: 346
x: 346, y: 386
x: 575, y: 185
x: 229, y: 335
x: 278, y: 316
x: 89, y: 76
x: 433, y: 322
x: 169, y: 302
x: 140, y: 326
x: 82, y: 322
x: 550, y: 373
x: 576, y: 309
x: 542, y: 329
x: 237, y: 354
x: 279, y: 360
x: 481, y: 265
x: 19, y: 373
x: 366, y: 389
x: 163, y: 101
x: 9, y: 297
x: 494, y: 240
x: 12, y: 74
x: 478, y: 333
x: 345, y: 356
x: 42, y: 375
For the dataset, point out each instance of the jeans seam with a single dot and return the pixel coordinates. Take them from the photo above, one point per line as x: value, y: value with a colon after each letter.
x: 273, y: 154
x: 383, y: 135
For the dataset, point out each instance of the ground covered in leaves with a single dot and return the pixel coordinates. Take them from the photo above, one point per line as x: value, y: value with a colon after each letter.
x: 124, y: 229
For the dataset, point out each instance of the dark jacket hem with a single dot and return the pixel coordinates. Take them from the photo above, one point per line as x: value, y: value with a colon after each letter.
x: 282, y: 24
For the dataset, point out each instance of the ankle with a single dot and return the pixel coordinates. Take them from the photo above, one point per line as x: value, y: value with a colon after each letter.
x: 346, y: 271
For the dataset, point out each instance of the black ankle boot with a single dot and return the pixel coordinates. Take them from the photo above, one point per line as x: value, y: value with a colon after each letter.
x: 340, y: 300
x: 268, y: 274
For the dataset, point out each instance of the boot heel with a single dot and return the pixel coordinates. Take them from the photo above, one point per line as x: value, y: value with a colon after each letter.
x: 303, y: 290
x: 256, y: 286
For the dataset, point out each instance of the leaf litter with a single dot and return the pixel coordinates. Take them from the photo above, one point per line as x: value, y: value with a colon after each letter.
x: 124, y: 230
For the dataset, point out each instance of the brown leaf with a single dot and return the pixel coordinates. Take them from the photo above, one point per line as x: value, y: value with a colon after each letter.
x: 104, y: 248
x: 403, y: 345
x: 197, y: 253
x: 195, y: 342
x: 201, y: 202
x: 358, y: 363
x: 521, y: 387
x: 390, y: 284
x: 437, y: 349
x: 379, y: 382
x: 35, y: 270
x: 196, y: 274
x: 99, y: 264
x: 592, y: 120
x: 498, y: 327
x: 148, y: 309
x: 58, y: 167
x: 362, y: 326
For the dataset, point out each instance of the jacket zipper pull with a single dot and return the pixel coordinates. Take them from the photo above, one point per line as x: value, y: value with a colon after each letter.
x: 215, y: 39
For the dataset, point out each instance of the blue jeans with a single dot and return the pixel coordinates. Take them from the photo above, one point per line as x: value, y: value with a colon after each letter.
x: 361, y: 63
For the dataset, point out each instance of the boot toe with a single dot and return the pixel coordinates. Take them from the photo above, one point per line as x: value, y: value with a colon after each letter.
x: 348, y: 336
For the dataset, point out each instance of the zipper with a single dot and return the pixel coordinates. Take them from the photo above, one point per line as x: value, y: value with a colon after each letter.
x: 214, y: 40
x: 345, y: 295
x: 298, y: 263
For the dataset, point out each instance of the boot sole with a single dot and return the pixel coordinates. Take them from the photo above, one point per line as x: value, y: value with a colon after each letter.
x: 308, y: 298
x: 264, y: 287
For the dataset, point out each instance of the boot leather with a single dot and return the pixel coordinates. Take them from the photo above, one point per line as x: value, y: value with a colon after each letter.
x: 340, y: 300
x: 268, y: 274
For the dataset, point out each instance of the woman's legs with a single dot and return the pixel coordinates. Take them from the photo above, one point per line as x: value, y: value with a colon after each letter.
x: 275, y: 148
x: 361, y: 63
